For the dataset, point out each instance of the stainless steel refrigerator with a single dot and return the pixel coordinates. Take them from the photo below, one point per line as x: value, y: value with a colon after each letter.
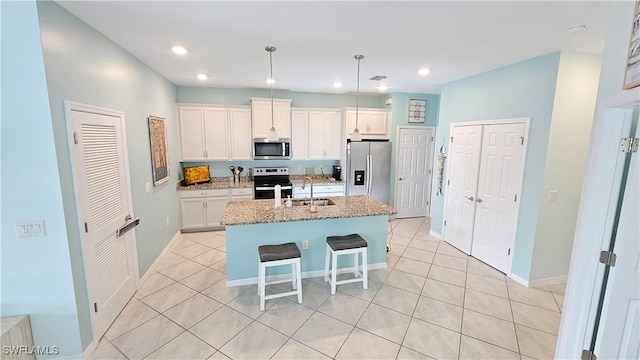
x: 368, y: 169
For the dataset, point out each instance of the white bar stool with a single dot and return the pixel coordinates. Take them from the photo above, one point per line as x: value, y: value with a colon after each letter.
x: 276, y: 255
x: 345, y: 245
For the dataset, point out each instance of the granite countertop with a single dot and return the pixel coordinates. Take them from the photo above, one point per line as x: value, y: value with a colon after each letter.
x: 245, y: 212
x: 317, y: 180
x: 218, y: 183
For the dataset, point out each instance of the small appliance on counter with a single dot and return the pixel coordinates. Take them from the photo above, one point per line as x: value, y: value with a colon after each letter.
x: 337, y: 172
x: 196, y: 175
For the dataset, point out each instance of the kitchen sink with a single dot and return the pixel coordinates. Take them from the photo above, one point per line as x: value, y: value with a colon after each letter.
x: 307, y: 202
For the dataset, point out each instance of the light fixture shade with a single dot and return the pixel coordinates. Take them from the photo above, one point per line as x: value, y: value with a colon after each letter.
x: 356, y: 135
x: 273, y: 134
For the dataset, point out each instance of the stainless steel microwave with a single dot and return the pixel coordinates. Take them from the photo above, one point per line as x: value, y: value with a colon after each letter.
x: 265, y: 149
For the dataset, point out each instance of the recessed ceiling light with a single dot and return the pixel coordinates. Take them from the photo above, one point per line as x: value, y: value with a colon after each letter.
x: 423, y: 72
x: 337, y: 84
x: 382, y: 87
x: 179, y: 50
x: 201, y: 77
x: 271, y: 81
x: 577, y: 29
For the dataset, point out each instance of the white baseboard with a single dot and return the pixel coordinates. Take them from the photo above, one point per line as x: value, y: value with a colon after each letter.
x: 548, y: 281
x: 162, y: 254
x: 306, y: 274
x: 435, y: 235
x: 519, y: 280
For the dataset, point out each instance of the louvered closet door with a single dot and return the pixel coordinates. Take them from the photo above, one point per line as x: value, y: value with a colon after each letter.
x: 102, y: 190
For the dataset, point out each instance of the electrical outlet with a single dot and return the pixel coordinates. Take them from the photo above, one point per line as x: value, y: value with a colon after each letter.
x: 30, y: 228
x: 305, y: 244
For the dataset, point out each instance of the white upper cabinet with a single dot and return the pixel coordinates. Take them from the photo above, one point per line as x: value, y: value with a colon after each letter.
x: 299, y: 134
x: 317, y: 134
x: 261, y: 117
x: 241, y: 146
x: 372, y: 123
x: 215, y: 133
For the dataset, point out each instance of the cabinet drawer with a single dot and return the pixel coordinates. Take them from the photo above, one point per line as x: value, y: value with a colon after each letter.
x: 321, y: 189
x: 185, y: 194
x: 242, y: 192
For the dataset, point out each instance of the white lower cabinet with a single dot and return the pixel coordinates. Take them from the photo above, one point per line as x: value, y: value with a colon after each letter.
x: 319, y: 191
x: 202, y: 209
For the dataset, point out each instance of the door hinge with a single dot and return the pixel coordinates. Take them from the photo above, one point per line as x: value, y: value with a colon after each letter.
x: 521, y: 140
x: 608, y: 258
x: 432, y: 139
x: 509, y: 251
x: 515, y: 197
x: 95, y: 307
x: 448, y: 182
x: 429, y: 171
x: 75, y: 138
x: 86, y: 227
x: 451, y: 138
x: 629, y: 145
x: 445, y: 223
x: 588, y: 355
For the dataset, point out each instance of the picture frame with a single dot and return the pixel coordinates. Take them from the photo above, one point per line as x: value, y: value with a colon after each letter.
x: 417, y: 110
x: 159, y: 150
x: 632, y: 71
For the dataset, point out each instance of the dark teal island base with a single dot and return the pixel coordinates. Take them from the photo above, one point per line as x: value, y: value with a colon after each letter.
x: 243, y: 241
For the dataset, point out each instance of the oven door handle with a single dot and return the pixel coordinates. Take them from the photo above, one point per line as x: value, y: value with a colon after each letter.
x: 272, y: 188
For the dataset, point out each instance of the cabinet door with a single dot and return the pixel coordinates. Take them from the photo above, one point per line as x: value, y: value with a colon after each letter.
x: 216, y: 134
x: 193, y: 213
x: 333, y: 141
x: 377, y: 124
x: 215, y: 208
x: 299, y: 135
x: 299, y: 193
x: 191, y: 133
x: 316, y: 134
x: 351, y: 121
x: 240, y: 129
x: 261, y: 117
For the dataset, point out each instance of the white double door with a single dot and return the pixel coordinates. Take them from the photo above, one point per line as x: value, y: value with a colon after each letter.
x: 482, y: 196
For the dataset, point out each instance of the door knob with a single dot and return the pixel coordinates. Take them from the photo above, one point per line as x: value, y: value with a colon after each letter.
x: 469, y: 198
x: 479, y: 200
x: 401, y: 179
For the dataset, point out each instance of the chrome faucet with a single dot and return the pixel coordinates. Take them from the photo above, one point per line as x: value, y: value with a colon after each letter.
x: 304, y: 183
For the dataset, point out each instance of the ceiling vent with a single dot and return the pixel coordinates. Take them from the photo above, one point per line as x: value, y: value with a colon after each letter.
x: 378, y: 78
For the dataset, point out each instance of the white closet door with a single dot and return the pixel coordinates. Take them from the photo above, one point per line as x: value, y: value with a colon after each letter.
x: 102, y: 187
x: 499, y: 183
x: 462, y: 185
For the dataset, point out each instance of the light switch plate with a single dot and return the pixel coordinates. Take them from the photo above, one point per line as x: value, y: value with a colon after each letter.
x: 553, y: 195
x: 147, y: 186
x: 30, y: 228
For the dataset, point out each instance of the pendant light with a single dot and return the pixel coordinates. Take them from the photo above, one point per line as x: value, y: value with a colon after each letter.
x: 355, y: 135
x: 273, y: 134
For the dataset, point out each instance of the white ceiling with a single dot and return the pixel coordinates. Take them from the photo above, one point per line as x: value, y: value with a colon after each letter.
x: 316, y: 40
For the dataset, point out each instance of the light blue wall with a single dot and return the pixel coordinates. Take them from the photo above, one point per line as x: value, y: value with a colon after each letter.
x: 525, y: 89
x: 36, y: 273
x: 296, y: 167
x: 399, y: 116
x: 204, y: 95
x: 83, y: 66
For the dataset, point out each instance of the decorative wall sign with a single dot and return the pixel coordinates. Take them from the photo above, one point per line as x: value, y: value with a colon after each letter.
x: 632, y: 74
x: 159, y: 157
x: 417, y: 110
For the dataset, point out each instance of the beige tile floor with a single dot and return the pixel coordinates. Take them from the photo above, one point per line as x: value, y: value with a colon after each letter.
x: 431, y: 302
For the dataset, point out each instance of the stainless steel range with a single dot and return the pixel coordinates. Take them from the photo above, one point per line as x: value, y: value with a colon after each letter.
x: 265, y: 179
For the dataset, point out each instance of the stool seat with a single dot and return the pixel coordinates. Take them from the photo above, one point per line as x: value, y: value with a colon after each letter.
x: 346, y: 242
x: 278, y: 252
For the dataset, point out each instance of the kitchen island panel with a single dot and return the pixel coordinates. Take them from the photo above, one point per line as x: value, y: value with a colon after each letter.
x: 243, y: 241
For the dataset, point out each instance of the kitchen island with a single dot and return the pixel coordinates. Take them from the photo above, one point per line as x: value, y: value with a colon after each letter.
x: 251, y: 223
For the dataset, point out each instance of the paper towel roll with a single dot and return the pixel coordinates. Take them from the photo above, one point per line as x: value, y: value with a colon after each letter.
x: 278, y: 196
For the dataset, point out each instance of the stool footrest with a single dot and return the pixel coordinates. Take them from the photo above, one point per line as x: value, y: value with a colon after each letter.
x: 279, y: 295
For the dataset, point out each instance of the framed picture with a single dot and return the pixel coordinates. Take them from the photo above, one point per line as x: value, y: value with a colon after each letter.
x: 632, y: 74
x: 159, y: 156
x: 417, y: 110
